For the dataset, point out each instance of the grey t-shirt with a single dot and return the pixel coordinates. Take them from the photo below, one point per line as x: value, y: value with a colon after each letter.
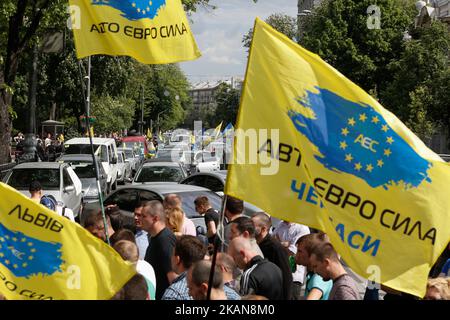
x: 344, y: 288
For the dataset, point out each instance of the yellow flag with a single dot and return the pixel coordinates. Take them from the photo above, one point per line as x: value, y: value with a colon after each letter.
x: 152, y: 32
x: 324, y: 153
x: 217, y: 130
x: 45, y: 256
x: 149, y: 134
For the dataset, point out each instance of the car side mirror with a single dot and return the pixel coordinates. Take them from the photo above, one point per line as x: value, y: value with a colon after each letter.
x: 69, y: 189
x: 114, y: 160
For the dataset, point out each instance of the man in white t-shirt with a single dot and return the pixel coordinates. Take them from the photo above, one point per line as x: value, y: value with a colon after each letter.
x: 288, y: 233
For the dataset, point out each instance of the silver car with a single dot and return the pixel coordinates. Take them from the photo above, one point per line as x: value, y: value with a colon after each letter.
x: 57, y: 179
x: 132, y: 158
x: 124, y: 172
x: 84, y: 168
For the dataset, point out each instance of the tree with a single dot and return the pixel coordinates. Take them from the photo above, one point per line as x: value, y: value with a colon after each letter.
x: 280, y: 22
x: 339, y: 33
x: 20, y: 22
x: 112, y: 114
x: 227, y: 100
x: 420, y: 85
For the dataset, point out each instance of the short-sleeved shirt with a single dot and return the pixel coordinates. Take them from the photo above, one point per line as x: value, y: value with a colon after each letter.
x: 212, y: 215
x: 344, y: 288
x: 159, y: 254
x: 188, y: 227
x: 314, y: 281
x: 446, y: 269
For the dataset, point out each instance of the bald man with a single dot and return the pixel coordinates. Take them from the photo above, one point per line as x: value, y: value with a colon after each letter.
x: 260, y: 277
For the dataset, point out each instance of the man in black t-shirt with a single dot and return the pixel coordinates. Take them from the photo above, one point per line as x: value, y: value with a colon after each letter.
x: 159, y: 252
x: 203, y: 207
x: 260, y: 276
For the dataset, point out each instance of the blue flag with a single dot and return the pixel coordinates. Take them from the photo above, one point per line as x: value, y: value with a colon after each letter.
x: 25, y: 256
x: 354, y: 138
x: 134, y: 9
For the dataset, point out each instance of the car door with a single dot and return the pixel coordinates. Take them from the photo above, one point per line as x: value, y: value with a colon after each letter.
x: 145, y: 195
x: 213, y: 184
x: 198, y: 180
x: 125, y: 198
x: 69, y: 198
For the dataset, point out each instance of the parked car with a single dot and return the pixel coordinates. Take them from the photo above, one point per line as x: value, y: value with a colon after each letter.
x: 132, y: 158
x: 215, y: 181
x: 105, y: 149
x: 124, y: 172
x: 445, y: 157
x: 174, y: 155
x: 156, y: 171
x: 127, y: 197
x: 139, y: 144
x: 57, y: 179
x: 84, y: 168
x: 205, y: 161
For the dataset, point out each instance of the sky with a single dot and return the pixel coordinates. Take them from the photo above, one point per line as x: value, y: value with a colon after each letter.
x: 219, y: 33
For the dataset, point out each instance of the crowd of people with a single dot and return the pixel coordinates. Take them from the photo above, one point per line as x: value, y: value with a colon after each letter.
x: 254, y: 260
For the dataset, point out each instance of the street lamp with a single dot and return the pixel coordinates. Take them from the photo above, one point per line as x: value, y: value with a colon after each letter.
x: 158, y: 118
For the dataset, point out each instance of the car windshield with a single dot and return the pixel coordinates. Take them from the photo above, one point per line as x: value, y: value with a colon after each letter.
x: 22, y: 178
x: 99, y: 150
x: 205, y: 157
x: 188, y: 198
x: 84, y: 170
x: 159, y: 174
x: 172, y: 155
x: 129, y: 154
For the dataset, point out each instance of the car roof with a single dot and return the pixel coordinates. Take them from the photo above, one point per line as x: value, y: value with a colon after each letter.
x: 134, y: 139
x: 160, y: 163
x: 94, y: 141
x: 76, y: 157
x: 221, y: 174
x: 164, y: 187
x: 39, y: 165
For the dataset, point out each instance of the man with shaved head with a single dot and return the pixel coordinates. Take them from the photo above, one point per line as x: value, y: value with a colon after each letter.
x: 159, y: 252
x: 273, y: 250
x: 260, y: 277
x: 174, y: 201
x: 198, y: 281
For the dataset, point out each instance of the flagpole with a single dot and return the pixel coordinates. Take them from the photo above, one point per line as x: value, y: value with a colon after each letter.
x: 87, y: 99
x: 217, y: 242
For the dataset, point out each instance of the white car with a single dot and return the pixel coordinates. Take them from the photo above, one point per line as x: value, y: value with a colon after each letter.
x: 57, y: 179
x: 205, y: 161
x: 124, y: 168
x: 105, y: 149
x: 132, y: 158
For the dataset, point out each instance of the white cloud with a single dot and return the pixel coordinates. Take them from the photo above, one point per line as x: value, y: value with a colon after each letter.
x: 219, y: 35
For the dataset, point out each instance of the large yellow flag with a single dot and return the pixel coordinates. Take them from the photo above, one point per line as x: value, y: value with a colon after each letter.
x: 152, y: 32
x: 44, y: 256
x: 312, y: 147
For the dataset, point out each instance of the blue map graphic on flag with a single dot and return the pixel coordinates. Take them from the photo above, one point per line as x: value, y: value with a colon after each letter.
x: 133, y: 9
x: 355, y: 139
x: 25, y: 256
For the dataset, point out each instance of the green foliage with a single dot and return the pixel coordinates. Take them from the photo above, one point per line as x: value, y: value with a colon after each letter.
x: 410, y: 78
x: 113, y: 114
x: 280, y: 22
x: 227, y: 105
x: 418, y: 120
x: 338, y: 32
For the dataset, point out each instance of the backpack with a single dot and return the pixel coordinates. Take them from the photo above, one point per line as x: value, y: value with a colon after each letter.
x: 49, y: 201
